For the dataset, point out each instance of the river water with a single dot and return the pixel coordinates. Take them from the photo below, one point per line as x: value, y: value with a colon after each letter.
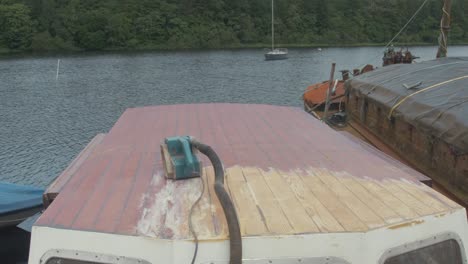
x: 45, y: 122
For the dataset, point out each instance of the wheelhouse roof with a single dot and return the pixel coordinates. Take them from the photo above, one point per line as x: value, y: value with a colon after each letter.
x: 286, y: 172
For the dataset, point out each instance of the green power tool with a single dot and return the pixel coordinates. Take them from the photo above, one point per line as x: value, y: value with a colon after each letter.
x: 181, y: 162
x: 179, y: 158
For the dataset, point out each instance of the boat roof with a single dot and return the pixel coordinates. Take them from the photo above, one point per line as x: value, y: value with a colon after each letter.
x: 286, y: 172
x: 430, y: 95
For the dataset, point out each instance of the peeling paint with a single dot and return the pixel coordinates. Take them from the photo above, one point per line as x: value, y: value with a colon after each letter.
x: 440, y: 215
x: 316, y: 190
x: 407, y: 224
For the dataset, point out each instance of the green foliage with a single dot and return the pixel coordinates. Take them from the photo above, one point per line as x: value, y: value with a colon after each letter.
x: 43, y: 41
x: 134, y: 24
x: 16, y: 26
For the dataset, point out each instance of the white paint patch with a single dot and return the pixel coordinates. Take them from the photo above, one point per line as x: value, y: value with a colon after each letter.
x: 165, y: 212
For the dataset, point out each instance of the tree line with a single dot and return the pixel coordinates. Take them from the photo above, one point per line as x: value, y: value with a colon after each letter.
x: 38, y: 25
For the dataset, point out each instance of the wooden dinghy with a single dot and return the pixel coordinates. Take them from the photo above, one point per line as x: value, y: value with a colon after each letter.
x: 303, y: 193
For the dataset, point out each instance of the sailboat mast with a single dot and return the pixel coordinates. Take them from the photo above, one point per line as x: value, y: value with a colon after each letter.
x: 272, y: 26
x: 444, y: 29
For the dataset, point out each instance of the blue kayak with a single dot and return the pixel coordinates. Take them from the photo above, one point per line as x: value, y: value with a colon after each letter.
x: 18, y: 202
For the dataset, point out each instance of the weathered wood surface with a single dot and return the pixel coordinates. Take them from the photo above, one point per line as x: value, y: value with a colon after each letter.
x: 57, y: 185
x: 286, y: 172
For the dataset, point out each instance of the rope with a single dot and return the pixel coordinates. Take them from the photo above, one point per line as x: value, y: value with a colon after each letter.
x: 401, y: 30
x: 423, y: 90
x: 443, y: 38
x: 191, y: 223
x: 407, y: 23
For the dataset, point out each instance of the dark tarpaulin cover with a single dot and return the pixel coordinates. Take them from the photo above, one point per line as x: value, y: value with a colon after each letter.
x: 18, y: 197
x: 441, y: 109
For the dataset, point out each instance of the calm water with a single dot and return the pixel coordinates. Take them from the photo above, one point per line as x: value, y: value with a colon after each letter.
x: 44, y: 123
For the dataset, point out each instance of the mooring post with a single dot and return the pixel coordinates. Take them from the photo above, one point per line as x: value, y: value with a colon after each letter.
x: 444, y: 29
x: 58, y: 69
x: 329, y: 91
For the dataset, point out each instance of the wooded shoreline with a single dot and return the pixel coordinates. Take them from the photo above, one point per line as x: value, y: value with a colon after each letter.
x: 6, y: 52
x: 88, y: 25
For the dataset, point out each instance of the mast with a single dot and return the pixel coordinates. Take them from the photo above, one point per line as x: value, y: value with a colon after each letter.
x: 444, y: 29
x: 272, y: 26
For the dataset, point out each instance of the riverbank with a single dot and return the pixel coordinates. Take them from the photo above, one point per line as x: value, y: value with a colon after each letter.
x: 6, y: 51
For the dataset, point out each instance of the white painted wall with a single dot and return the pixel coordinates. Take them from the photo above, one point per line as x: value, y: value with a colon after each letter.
x: 362, y: 248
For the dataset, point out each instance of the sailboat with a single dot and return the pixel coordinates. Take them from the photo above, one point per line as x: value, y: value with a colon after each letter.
x: 275, y: 53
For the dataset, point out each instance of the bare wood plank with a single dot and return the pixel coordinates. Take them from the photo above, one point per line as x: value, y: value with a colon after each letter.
x: 405, y: 197
x: 346, y: 197
x: 270, y: 208
x: 372, y: 201
x: 251, y: 222
x: 293, y: 209
x: 389, y: 199
x: 316, y: 210
x: 219, y: 220
x: 202, y: 216
x: 445, y: 199
x: 423, y: 196
x: 341, y: 213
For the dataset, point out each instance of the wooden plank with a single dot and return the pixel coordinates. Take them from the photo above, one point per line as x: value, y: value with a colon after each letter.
x: 340, y: 212
x: 76, y: 193
x: 57, y: 185
x: 95, y: 202
x: 251, y: 222
x: 388, y: 198
x: 420, y: 193
x: 132, y: 208
x: 346, y: 197
x: 219, y: 219
x: 109, y: 215
x: 445, y: 199
x: 271, y: 210
x: 62, y: 212
x: 406, y: 198
x: 316, y: 210
x: 296, y: 214
x: 135, y: 206
x: 372, y: 201
x: 202, y: 217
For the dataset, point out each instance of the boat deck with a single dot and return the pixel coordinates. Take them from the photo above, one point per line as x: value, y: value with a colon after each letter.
x: 286, y: 172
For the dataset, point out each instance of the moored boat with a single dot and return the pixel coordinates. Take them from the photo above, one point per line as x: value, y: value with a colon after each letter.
x: 275, y: 53
x: 420, y: 111
x: 18, y: 202
x: 415, y: 112
x: 302, y: 193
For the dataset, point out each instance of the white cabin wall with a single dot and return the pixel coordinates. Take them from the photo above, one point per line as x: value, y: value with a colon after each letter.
x: 362, y: 248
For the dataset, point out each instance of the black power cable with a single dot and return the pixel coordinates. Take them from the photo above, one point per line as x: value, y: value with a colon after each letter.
x: 235, y: 238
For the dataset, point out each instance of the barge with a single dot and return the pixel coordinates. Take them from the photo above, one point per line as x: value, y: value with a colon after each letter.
x: 302, y: 193
x: 420, y: 111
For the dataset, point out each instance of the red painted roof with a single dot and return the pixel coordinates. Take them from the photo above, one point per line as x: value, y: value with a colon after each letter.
x: 108, y: 192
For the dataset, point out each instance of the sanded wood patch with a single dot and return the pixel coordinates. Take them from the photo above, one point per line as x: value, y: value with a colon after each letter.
x: 275, y: 202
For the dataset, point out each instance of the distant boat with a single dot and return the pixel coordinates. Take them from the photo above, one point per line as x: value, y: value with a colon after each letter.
x: 275, y: 53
